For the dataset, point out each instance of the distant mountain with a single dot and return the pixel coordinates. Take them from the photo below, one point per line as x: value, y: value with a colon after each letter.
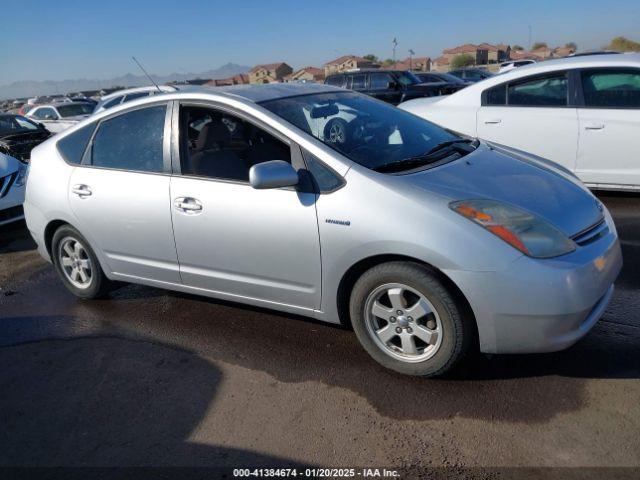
x: 51, y: 87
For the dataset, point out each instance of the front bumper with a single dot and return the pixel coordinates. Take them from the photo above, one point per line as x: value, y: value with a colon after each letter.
x: 542, y: 305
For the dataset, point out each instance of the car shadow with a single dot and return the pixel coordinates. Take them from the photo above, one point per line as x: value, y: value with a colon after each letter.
x: 111, y: 402
x: 14, y: 237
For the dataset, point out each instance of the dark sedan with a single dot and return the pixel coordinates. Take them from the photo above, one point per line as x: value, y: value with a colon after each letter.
x: 19, y: 135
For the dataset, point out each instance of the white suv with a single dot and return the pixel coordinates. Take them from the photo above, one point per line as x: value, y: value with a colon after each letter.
x: 581, y: 112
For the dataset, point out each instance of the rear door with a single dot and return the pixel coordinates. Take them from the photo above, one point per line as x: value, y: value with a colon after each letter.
x: 609, y: 119
x: 120, y: 194
x: 532, y: 114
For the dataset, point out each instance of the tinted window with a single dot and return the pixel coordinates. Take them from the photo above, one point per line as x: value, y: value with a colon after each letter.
x: 358, y: 81
x: 131, y: 141
x: 112, y: 103
x: 74, y: 109
x: 496, y: 95
x: 10, y: 124
x: 550, y: 91
x: 326, y: 179
x: 335, y: 80
x: 72, y: 146
x: 368, y: 132
x: 611, y: 88
x: 380, y: 81
x: 216, y: 144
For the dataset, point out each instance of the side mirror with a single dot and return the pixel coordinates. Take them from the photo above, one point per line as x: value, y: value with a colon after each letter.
x: 273, y: 174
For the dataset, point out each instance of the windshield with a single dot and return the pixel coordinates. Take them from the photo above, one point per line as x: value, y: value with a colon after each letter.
x: 73, y: 109
x: 10, y: 124
x: 408, y: 78
x: 367, y: 131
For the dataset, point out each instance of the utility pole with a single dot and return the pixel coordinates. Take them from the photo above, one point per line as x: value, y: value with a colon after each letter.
x: 411, y: 54
x: 395, y: 44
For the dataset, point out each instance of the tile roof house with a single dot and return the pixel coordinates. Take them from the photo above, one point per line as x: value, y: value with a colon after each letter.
x: 306, y: 74
x: 480, y: 55
x: 416, y: 64
x: 240, y: 79
x: 269, y: 73
x: 496, y: 53
x: 347, y: 62
x: 441, y: 64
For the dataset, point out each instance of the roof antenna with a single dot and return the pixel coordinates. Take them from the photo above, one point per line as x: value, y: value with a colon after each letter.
x: 145, y: 72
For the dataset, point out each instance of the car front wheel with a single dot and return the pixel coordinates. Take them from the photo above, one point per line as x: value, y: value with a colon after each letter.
x: 408, y: 320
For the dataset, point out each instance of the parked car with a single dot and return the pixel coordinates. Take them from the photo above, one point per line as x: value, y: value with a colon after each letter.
x: 426, y: 244
x: 13, y: 176
x: 121, y: 96
x: 511, y: 64
x: 447, y: 84
x: 471, y: 75
x: 580, y: 112
x: 391, y: 86
x: 57, y: 117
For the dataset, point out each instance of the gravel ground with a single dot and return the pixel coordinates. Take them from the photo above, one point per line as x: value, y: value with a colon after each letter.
x: 149, y: 377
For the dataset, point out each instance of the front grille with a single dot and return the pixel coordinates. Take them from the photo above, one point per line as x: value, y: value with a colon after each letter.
x: 592, y: 233
x: 11, y: 213
x: 6, y: 182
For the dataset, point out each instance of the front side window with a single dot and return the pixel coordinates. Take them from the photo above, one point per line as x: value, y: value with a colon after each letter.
x: 358, y: 82
x: 619, y: 88
x: 371, y: 133
x: 75, y: 109
x: 216, y: 144
x: 45, y: 113
x: 380, y: 81
x: 407, y: 78
x: 131, y: 141
x: 548, y: 91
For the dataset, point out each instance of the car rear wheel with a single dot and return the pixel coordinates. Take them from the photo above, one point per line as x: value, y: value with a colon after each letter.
x: 408, y: 321
x: 77, y: 265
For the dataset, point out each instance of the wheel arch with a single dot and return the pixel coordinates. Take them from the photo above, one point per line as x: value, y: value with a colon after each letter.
x: 354, y: 272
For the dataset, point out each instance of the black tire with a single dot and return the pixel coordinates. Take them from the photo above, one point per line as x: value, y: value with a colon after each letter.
x: 99, y: 285
x: 456, y: 326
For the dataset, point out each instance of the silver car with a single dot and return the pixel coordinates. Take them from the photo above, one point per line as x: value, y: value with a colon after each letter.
x: 327, y: 203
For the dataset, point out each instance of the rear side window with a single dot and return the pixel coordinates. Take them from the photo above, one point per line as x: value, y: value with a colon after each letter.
x: 72, y: 146
x: 495, y: 96
x: 358, y: 81
x: 618, y: 88
x: 548, y: 91
x: 131, y: 141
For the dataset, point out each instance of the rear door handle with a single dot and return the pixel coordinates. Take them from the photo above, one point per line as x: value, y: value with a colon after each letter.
x: 187, y: 205
x: 594, y: 126
x: 81, y: 190
x: 492, y: 121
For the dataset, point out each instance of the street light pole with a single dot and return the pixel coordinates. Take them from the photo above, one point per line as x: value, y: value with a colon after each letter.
x: 395, y: 44
x: 411, y: 54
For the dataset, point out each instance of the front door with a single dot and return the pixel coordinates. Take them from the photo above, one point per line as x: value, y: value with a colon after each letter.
x: 120, y: 195
x: 231, y: 238
x: 533, y: 115
x: 609, y: 127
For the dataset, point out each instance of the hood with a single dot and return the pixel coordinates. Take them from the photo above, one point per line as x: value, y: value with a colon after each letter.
x: 8, y: 165
x: 497, y: 175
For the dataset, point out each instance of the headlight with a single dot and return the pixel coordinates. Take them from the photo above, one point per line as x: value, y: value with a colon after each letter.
x: 523, y: 230
x: 23, y: 173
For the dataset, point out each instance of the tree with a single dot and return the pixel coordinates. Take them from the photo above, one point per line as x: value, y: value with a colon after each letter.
x: 572, y: 45
x: 371, y: 57
x: 463, y: 60
x: 538, y: 45
x: 622, y: 44
x: 517, y: 47
x: 388, y: 62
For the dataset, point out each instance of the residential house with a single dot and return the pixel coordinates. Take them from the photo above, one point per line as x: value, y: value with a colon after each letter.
x: 306, y: 74
x: 347, y: 62
x: 480, y: 55
x: 416, y: 64
x: 441, y: 64
x: 269, y: 73
x: 560, y: 52
x: 240, y: 79
x: 496, y: 53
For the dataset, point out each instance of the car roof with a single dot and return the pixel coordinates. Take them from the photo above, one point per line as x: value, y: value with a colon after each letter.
x: 59, y: 104
x: 263, y: 92
x: 148, y: 88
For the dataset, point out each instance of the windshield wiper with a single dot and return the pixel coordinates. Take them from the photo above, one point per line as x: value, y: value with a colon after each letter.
x: 430, y: 156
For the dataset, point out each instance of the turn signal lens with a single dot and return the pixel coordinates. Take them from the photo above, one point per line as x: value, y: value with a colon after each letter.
x: 523, y: 230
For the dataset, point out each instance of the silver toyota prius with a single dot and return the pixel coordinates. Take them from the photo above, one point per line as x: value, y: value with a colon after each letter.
x: 327, y: 203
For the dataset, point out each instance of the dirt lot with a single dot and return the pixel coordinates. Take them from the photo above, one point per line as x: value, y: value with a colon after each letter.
x: 150, y: 377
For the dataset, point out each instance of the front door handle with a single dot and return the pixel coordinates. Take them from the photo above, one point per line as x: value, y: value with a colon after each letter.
x: 81, y: 190
x: 187, y: 205
x: 492, y: 121
x: 594, y: 126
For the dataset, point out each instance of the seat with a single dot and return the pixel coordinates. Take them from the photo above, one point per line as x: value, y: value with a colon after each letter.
x: 210, y: 159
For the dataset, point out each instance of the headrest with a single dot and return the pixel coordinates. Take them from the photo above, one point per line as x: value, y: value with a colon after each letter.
x: 212, y: 134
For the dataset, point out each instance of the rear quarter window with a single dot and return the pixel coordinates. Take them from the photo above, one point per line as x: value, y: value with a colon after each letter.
x: 72, y: 146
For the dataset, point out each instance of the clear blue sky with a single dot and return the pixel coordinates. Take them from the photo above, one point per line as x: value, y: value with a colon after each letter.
x: 56, y: 40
